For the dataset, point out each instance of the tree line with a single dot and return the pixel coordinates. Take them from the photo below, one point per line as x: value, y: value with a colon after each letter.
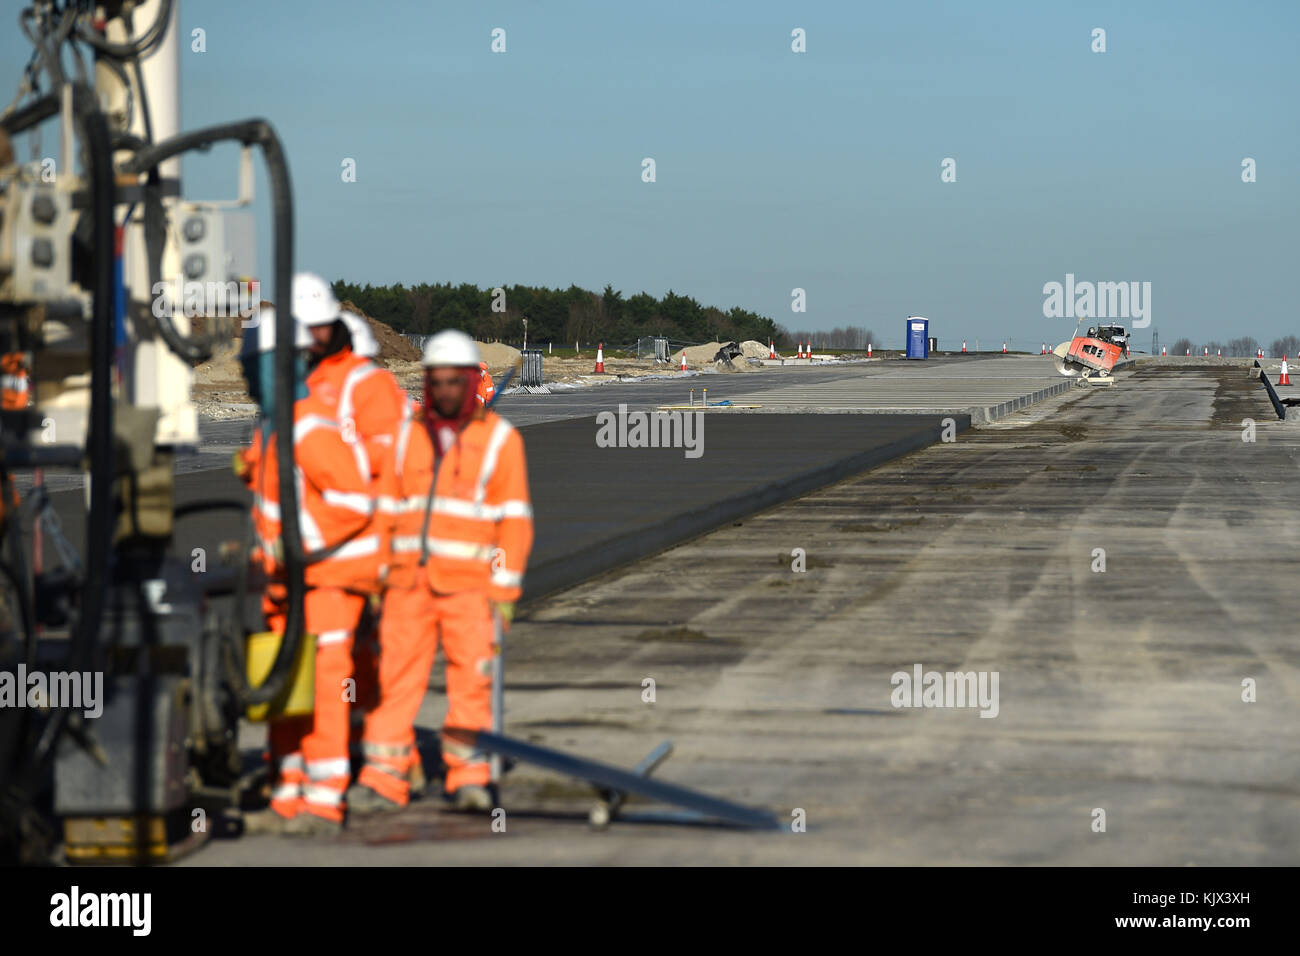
x: 1241, y: 347
x: 555, y: 315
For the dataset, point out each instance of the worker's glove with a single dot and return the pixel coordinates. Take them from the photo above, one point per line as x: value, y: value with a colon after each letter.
x: 507, y: 612
x: 239, y: 464
x: 277, y: 551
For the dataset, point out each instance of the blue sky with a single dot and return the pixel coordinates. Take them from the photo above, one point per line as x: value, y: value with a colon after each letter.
x: 778, y: 170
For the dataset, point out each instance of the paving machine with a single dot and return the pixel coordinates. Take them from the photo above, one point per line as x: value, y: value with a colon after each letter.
x: 1092, y: 357
x: 113, y: 286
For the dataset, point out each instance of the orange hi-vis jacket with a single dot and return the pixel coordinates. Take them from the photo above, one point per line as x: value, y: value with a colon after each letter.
x: 364, y: 399
x: 340, y: 529
x: 480, y: 519
x: 14, y: 383
x: 486, y: 390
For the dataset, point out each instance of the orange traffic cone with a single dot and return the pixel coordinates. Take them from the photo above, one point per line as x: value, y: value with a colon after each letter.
x: 1044, y: 351
x: 771, y: 349
x: 600, y: 359
x: 1004, y: 348
x: 1162, y: 350
x: 683, y: 360
x: 1286, y: 375
x: 963, y: 347
x: 868, y: 350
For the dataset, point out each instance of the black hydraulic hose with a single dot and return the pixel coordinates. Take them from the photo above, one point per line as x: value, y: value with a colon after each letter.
x: 30, y: 115
x: 216, y: 504
x: 99, y: 524
x: 259, y: 132
x: 147, y: 157
x: 49, y: 58
x: 125, y: 51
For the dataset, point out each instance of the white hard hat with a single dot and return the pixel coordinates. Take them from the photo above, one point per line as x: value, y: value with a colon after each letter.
x: 261, y: 338
x: 363, y: 340
x: 450, y: 347
x: 313, y: 300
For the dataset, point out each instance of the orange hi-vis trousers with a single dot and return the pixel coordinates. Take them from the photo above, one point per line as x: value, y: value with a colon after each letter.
x: 310, y: 753
x: 414, y: 621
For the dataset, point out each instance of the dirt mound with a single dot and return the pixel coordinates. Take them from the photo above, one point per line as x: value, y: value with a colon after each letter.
x: 754, y: 349
x: 497, y: 356
x: 393, y: 345
x: 697, y: 355
x: 701, y: 356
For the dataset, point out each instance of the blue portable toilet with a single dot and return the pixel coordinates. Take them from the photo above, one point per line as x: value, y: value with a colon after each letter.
x: 918, y: 337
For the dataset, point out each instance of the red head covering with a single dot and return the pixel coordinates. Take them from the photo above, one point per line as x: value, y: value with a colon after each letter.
x: 443, y: 431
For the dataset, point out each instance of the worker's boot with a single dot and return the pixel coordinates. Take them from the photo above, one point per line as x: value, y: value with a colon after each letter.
x: 309, y: 824
x: 474, y: 798
x: 416, y: 779
x: 362, y: 802
x: 265, y: 821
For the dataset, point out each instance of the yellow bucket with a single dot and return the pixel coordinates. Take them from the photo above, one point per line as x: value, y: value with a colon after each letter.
x: 299, y: 695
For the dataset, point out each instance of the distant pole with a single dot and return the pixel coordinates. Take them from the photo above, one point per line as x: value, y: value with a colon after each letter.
x: 525, y: 335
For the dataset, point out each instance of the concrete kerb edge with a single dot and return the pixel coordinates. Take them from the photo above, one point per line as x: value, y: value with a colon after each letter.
x: 979, y: 414
x: 994, y: 412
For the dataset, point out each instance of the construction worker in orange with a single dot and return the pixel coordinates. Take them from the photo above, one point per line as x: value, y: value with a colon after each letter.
x: 461, y: 534
x: 341, y: 538
x: 14, y: 382
x: 486, y: 390
x: 368, y: 403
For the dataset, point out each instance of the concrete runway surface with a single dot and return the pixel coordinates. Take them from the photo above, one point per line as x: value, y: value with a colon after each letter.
x: 1119, y: 691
